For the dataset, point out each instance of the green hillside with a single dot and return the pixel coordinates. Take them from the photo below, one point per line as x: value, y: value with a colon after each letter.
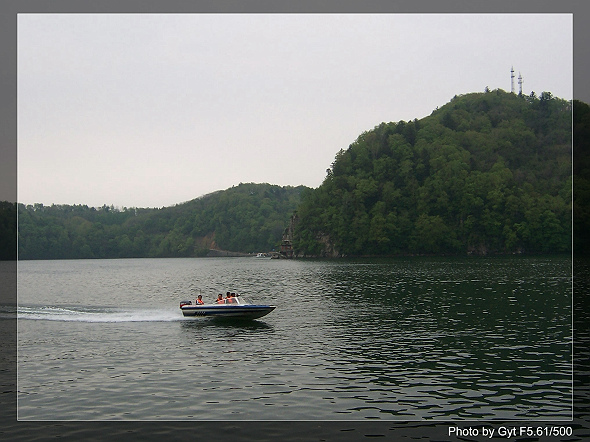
x: 486, y: 173
x: 245, y: 218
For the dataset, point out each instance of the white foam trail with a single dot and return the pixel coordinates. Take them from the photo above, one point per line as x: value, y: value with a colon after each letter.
x: 97, y: 315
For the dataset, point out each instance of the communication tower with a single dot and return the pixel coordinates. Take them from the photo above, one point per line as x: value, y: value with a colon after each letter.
x: 520, y: 81
x: 512, y: 79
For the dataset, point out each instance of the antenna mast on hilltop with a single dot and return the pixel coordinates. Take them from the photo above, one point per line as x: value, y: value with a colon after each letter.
x: 520, y: 81
x: 512, y: 80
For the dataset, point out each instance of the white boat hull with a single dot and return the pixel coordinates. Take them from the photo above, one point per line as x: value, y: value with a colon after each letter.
x: 246, y: 311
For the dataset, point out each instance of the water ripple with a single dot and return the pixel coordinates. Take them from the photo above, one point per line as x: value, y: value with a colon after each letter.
x: 384, y: 339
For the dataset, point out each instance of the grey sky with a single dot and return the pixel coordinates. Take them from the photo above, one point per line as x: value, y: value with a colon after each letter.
x: 143, y: 110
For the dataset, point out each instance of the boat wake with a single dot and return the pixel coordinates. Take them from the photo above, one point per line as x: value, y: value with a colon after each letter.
x: 96, y: 314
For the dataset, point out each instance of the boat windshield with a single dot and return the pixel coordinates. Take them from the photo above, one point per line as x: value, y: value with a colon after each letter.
x: 235, y: 301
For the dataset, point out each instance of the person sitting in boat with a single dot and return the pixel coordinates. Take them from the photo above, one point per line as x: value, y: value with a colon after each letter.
x: 199, y: 300
x: 220, y: 299
x: 231, y: 298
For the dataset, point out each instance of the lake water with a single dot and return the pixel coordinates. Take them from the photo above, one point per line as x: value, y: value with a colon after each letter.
x: 408, y: 339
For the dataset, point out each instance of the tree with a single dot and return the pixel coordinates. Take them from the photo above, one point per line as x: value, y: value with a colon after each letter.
x: 472, y: 177
x: 244, y: 218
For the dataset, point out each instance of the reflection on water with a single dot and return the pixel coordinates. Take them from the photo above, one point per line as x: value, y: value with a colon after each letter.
x: 396, y: 339
x: 484, y: 338
x: 225, y: 324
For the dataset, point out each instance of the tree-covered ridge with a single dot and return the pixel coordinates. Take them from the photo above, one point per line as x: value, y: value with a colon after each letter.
x: 245, y: 218
x: 486, y: 173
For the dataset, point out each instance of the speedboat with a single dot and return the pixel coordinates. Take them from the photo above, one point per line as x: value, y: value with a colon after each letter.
x: 238, y: 308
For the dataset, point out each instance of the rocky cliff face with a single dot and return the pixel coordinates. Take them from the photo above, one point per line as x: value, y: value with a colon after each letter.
x: 287, y: 240
x: 288, y: 233
x: 329, y: 251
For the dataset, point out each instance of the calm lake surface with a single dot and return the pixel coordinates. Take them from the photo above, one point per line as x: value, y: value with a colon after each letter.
x: 393, y: 339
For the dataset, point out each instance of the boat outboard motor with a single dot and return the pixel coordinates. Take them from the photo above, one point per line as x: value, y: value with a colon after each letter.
x: 185, y: 303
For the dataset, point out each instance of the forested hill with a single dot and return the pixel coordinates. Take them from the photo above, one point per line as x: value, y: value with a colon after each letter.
x: 245, y: 218
x: 486, y: 173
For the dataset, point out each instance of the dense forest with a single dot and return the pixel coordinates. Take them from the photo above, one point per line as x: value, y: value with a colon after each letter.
x: 246, y: 218
x: 486, y: 173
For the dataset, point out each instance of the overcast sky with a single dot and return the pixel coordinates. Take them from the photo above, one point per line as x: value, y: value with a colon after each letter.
x: 140, y: 110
